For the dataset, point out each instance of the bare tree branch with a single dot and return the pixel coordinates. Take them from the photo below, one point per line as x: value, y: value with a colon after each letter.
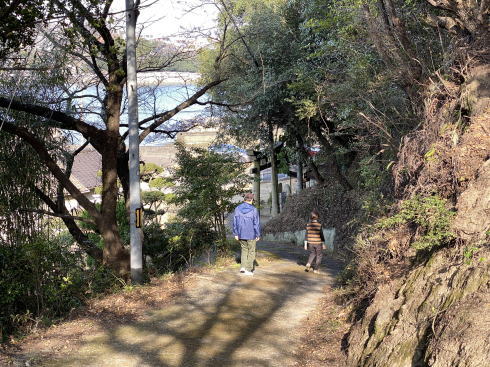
x: 29, y: 68
x: 232, y: 18
x: 55, y: 170
x: 167, y: 115
x: 97, y: 24
x: 82, y: 239
x: 82, y: 147
x: 226, y: 105
x: 91, y: 64
x: 107, y: 7
x: 67, y: 122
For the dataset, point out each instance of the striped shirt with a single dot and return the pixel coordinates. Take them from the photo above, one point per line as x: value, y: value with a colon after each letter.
x: 314, y: 233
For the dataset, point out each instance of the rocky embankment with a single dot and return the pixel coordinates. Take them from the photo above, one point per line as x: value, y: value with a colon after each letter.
x: 437, y: 312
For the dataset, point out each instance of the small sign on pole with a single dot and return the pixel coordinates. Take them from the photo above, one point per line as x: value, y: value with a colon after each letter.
x: 139, y: 217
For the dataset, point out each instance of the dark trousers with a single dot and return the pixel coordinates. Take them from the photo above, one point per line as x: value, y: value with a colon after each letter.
x: 316, y: 255
x: 248, y: 254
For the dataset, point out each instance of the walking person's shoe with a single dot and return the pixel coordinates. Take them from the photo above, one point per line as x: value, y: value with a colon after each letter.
x: 308, y: 268
x: 249, y: 273
x: 317, y: 271
x: 242, y: 270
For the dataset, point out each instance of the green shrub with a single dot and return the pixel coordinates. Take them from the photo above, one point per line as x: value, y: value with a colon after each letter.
x: 43, y: 278
x: 150, y: 197
x: 175, y: 246
x: 160, y: 183
x: 149, y: 169
x: 170, y: 248
x: 372, y: 177
x: 431, y: 217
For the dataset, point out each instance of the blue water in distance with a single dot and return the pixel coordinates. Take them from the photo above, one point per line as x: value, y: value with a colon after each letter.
x: 151, y: 100
x: 164, y: 98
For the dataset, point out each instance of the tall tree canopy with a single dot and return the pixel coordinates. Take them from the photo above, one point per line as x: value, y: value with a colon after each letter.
x: 343, y: 75
x: 19, y: 21
x: 84, y: 52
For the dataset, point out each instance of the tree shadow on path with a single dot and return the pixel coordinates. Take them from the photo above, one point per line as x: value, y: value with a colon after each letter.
x: 224, y: 320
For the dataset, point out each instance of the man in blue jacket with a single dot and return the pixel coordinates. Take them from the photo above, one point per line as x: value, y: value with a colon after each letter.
x: 246, y: 229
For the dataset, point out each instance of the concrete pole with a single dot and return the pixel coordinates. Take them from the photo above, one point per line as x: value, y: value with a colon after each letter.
x: 274, y: 183
x: 135, y: 210
x: 299, y: 182
x: 257, y: 183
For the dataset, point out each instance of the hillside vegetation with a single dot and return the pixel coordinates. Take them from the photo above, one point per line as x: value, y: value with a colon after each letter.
x: 425, y: 271
x: 403, y: 123
x: 392, y: 95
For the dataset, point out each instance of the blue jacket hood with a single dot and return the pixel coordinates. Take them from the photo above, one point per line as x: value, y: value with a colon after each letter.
x: 245, y: 208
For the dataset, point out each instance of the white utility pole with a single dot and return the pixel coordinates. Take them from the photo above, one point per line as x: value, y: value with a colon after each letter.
x: 274, y: 182
x: 256, y: 187
x: 135, y: 210
x: 299, y: 175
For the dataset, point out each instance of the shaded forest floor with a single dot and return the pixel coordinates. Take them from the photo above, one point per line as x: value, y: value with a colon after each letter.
x: 204, y: 317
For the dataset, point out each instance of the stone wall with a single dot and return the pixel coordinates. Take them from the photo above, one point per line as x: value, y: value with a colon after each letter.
x: 298, y: 237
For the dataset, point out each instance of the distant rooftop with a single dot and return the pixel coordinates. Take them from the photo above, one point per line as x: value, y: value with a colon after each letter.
x: 85, y: 168
x: 88, y: 164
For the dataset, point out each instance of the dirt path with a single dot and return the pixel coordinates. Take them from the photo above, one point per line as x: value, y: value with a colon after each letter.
x: 224, y: 319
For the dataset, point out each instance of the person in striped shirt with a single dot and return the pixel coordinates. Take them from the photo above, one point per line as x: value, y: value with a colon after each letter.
x: 315, y: 242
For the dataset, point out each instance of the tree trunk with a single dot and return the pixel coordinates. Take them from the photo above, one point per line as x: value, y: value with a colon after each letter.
x: 469, y: 17
x: 336, y: 171
x: 311, y: 165
x: 274, y: 183
x: 220, y: 223
x: 388, y: 34
x: 343, y: 141
x: 115, y: 255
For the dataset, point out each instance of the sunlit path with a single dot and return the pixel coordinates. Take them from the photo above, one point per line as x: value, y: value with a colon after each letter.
x: 224, y: 320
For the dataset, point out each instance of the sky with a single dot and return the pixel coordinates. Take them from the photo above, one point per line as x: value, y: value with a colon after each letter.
x: 164, y: 18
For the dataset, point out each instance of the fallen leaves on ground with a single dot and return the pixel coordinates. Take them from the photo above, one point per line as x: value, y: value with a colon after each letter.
x: 106, y: 311
x: 322, y: 334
